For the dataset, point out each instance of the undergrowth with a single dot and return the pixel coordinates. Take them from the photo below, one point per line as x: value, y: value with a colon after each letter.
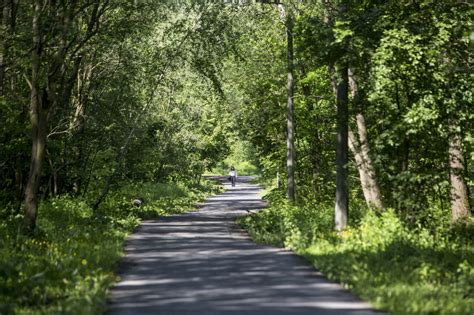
x: 424, y: 269
x: 67, y: 266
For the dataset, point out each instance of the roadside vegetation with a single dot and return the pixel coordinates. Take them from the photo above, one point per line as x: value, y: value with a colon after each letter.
x: 101, y: 103
x: 364, y: 109
x: 360, y: 110
x: 68, y: 264
x: 422, y: 269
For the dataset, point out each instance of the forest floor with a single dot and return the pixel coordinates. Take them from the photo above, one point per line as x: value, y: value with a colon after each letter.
x: 202, y: 263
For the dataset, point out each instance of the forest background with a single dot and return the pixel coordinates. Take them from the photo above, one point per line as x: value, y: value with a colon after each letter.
x: 363, y: 108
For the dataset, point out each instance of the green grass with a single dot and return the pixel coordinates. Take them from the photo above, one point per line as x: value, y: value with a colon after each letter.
x: 398, y: 269
x: 67, y: 266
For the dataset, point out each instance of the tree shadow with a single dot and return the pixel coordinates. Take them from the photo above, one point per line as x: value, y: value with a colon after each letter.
x: 202, y: 263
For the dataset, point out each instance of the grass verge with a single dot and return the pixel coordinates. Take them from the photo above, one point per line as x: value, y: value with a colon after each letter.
x: 424, y: 270
x: 67, y: 266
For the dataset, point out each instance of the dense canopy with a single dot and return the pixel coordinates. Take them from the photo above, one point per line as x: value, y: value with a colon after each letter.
x: 362, y: 107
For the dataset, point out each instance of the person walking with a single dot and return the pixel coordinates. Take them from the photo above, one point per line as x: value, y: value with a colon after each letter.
x: 233, y: 176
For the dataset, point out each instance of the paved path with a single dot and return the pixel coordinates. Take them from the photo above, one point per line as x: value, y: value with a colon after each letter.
x: 202, y: 263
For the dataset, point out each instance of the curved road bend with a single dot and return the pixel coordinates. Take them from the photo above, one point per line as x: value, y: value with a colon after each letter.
x: 202, y: 263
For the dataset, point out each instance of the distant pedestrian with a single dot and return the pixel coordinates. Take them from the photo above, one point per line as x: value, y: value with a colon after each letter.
x: 233, y: 175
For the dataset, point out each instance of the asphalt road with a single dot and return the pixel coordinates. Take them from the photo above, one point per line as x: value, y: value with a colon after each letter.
x: 202, y: 263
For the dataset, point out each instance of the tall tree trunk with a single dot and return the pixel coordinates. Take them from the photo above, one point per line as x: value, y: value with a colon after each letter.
x: 458, y: 193
x: 342, y: 191
x: 340, y: 83
x: 38, y: 116
x: 290, y: 155
x: 361, y: 150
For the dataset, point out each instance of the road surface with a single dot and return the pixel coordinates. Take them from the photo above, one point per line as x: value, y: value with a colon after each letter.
x: 202, y: 263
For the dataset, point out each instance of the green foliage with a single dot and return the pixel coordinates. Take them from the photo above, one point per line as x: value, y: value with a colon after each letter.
x: 241, y: 156
x: 411, y: 64
x: 417, y: 97
x: 67, y: 266
x: 285, y: 224
x: 164, y: 91
x: 136, y: 97
x: 400, y: 270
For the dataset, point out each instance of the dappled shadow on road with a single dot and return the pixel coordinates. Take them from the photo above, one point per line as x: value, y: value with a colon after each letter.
x: 202, y: 263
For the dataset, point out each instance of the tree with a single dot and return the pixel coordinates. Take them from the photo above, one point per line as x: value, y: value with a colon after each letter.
x: 359, y: 145
x: 342, y: 190
x: 38, y: 116
x: 340, y: 80
x: 290, y: 141
x: 49, y: 86
x: 458, y: 192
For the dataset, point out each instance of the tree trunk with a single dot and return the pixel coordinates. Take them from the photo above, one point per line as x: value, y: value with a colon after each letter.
x: 340, y: 84
x: 342, y: 191
x: 38, y: 115
x: 290, y: 155
x: 459, y: 195
x: 361, y: 150
x: 84, y: 78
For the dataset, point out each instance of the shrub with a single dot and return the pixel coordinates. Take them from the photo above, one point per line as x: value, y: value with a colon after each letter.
x: 68, y: 264
x: 422, y: 270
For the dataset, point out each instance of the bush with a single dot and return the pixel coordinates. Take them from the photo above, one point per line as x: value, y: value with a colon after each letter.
x: 67, y: 265
x: 398, y: 269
